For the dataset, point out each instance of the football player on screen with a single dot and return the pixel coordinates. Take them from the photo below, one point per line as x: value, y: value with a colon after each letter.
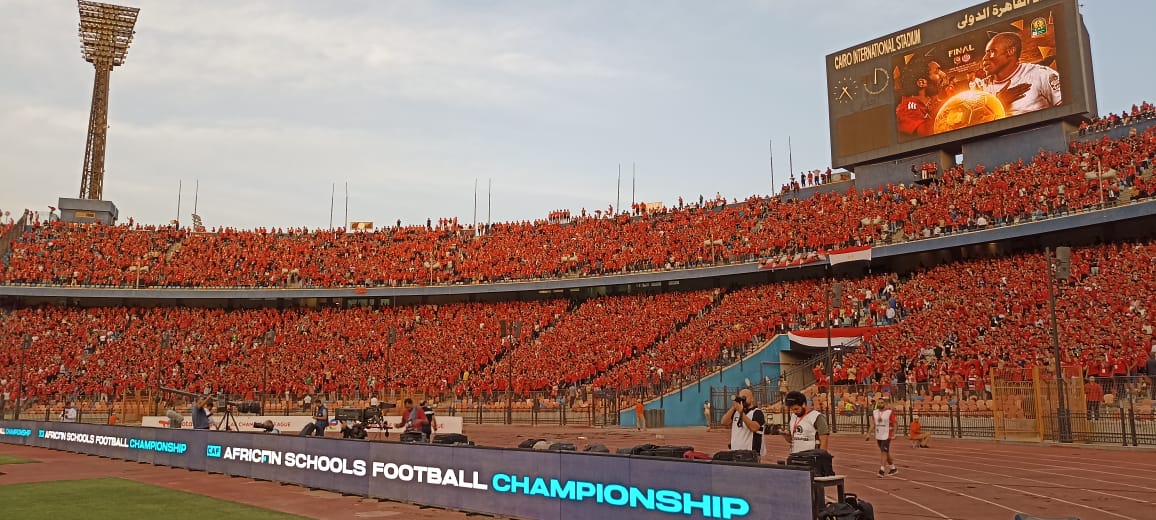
x: 1021, y: 87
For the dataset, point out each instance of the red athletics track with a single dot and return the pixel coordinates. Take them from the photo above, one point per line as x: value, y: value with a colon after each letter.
x: 955, y: 479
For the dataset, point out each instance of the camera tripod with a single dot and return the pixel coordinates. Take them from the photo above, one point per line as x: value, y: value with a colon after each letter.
x: 228, y: 421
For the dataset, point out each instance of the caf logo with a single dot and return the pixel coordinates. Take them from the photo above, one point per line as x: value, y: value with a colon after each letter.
x: 1039, y: 27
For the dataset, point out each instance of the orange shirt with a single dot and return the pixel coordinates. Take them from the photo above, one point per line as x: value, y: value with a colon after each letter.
x: 638, y: 409
x: 916, y: 429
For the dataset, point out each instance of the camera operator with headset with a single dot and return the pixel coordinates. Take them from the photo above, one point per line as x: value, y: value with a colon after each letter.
x: 747, y: 422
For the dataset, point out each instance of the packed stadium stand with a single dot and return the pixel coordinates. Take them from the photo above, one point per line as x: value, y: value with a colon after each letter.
x: 1094, y: 173
x: 946, y: 325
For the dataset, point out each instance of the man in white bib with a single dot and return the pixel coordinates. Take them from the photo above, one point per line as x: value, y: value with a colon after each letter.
x: 808, y: 429
x: 883, y: 426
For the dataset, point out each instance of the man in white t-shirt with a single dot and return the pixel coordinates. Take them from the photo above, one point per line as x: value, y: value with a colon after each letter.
x: 1021, y: 87
x: 746, y: 420
x: 883, y: 426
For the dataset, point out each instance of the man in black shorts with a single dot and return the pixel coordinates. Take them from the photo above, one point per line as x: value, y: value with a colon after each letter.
x: 883, y: 426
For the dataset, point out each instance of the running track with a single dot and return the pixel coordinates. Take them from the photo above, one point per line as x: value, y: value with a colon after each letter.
x: 962, y: 480
x: 983, y: 480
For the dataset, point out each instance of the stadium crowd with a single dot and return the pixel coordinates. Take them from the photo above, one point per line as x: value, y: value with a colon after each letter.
x: 610, y: 342
x: 959, y: 321
x: 955, y: 323
x: 1088, y: 176
x: 1139, y: 113
x: 972, y: 317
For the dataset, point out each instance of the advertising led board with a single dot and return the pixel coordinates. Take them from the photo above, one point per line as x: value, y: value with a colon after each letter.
x: 507, y: 482
x: 984, y: 70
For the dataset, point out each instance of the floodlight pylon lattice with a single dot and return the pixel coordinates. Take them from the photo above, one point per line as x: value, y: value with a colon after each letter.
x: 106, y: 32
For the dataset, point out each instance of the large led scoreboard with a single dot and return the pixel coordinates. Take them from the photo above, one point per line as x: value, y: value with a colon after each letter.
x: 987, y: 69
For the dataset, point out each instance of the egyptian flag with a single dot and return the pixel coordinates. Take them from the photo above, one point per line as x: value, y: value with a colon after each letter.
x: 850, y: 254
x: 817, y: 338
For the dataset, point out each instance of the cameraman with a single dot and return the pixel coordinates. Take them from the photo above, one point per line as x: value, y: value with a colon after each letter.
x: 431, y: 423
x: 320, y: 418
x: 413, y: 419
x: 746, y: 421
x: 202, y: 409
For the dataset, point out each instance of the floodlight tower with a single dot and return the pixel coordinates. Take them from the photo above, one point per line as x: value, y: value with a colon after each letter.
x: 105, y: 33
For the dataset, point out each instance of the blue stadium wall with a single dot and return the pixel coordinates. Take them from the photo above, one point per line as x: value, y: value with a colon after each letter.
x: 683, y: 407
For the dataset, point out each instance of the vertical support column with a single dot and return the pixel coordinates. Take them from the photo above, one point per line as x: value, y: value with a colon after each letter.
x: 92, y: 179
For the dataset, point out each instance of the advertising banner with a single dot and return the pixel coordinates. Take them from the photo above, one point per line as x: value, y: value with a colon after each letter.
x: 507, y: 482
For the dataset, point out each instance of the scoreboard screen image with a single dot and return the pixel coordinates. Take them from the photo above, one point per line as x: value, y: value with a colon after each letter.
x: 983, y: 70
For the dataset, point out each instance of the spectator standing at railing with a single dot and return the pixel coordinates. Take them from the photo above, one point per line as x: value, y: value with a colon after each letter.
x: 1093, y: 395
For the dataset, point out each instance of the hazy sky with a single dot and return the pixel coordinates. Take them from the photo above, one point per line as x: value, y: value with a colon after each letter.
x: 268, y: 103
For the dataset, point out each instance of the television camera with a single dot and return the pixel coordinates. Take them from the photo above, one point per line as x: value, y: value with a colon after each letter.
x: 224, y: 406
x: 357, y: 421
x: 268, y: 426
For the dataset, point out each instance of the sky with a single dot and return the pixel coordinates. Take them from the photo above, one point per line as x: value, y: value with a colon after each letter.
x: 270, y: 106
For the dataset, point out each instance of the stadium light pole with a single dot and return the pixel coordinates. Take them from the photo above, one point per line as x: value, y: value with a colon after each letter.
x: 269, y: 336
x: 1059, y: 269
x: 157, y: 375
x: 392, y: 337
x: 1100, y: 180
x: 510, y: 330
x: 106, y: 32
x: 832, y: 289
x: 20, y: 389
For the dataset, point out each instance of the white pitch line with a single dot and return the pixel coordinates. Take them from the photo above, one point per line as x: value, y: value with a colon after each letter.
x: 973, y: 481
x: 948, y: 491
x: 1013, y: 454
x: 1064, y: 469
x: 1062, y: 500
x: 916, y: 504
x: 1052, y: 484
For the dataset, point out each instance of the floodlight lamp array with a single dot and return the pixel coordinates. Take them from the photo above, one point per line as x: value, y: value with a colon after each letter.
x: 106, y: 32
